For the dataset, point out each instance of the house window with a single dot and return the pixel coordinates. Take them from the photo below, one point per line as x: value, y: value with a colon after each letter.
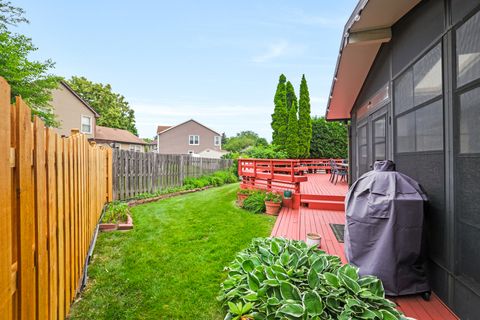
x: 193, y: 140
x: 468, y: 51
x: 86, y: 124
x: 419, y: 83
x: 418, y: 105
x: 217, y: 140
x: 422, y: 129
x: 469, y: 120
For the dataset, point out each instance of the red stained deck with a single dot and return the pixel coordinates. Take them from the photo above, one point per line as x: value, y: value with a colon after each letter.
x: 295, y: 224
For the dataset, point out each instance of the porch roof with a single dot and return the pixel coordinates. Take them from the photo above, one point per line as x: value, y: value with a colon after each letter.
x: 367, y: 28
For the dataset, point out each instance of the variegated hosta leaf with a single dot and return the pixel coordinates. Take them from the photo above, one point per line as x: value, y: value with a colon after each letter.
x: 284, y: 279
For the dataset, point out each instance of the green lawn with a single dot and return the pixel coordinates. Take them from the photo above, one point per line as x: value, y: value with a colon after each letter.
x: 170, y: 265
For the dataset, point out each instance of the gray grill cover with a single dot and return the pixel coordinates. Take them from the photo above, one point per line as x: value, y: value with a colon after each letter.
x: 383, y: 233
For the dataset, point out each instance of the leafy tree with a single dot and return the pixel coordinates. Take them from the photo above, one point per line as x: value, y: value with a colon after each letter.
x: 329, y: 140
x: 243, y: 140
x: 224, y: 138
x: 291, y: 145
x: 304, y: 121
x: 280, y: 116
x: 11, y: 15
x: 291, y: 97
x: 114, y: 110
x: 265, y: 152
x: 30, y: 79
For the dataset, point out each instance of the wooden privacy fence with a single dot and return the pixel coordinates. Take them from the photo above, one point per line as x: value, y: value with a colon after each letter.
x: 136, y: 172
x: 52, y: 191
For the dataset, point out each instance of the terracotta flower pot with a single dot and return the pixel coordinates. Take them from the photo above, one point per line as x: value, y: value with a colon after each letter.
x: 272, y: 208
x: 241, y: 198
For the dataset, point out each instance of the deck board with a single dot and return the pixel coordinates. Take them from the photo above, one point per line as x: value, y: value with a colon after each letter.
x: 295, y: 224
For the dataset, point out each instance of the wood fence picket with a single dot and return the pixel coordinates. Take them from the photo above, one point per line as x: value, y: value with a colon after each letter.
x: 52, y: 192
x: 134, y: 173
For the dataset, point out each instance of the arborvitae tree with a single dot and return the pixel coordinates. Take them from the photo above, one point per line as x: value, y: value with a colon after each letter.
x: 291, y: 97
x: 280, y: 115
x: 292, y: 143
x: 304, y: 121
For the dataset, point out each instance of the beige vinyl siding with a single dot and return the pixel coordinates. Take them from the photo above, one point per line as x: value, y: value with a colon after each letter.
x: 69, y: 111
x: 177, y: 139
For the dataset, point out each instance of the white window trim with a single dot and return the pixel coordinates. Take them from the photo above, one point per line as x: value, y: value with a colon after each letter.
x: 194, y: 144
x: 217, y: 141
x: 81, y: 124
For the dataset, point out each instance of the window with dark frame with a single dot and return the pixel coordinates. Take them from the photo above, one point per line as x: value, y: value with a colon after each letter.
x: 468, y: 84
x: 418, y: 105
x: 193, y: 140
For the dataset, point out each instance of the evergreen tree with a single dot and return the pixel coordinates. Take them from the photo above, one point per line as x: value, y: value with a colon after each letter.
x: 280, y: 115
x: 292, y: 142
x: 291, y: 97
x: 304, y: 121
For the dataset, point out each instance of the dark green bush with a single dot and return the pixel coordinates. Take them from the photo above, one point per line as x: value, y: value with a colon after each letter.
x: 277, y: 278
x: 255, y: 202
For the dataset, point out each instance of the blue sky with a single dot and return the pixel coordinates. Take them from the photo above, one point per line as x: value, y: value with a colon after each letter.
x: 215, y: 61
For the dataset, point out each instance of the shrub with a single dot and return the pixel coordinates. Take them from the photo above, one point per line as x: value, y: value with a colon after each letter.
x: 284, y: 279
x: 273, y: 197
x: 116, y: 212
x: 245, y: 192
x: 255, y: 202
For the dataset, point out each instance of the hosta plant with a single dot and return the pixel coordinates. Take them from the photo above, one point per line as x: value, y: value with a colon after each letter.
x: 284, y: 279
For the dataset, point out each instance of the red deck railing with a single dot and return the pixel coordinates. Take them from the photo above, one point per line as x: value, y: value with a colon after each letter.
x: 279, y: 174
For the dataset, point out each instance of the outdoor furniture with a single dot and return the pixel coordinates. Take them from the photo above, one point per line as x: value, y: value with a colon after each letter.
x: 339, y: 170
x: 332, y: 171
x: 383, y: 233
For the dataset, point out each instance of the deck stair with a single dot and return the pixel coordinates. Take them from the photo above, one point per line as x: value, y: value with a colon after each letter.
x: 323, y: 202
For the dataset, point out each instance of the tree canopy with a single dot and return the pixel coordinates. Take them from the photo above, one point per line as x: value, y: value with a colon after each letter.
x: 30, y: 79
x: 243, y: 140
x: 291, y: 123
x: 329, y: 139
x: 114, y: 110
x: 304, y: 121
x: 280, y: 114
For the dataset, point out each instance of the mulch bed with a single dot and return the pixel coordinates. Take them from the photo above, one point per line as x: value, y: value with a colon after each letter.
x: 137, y: 202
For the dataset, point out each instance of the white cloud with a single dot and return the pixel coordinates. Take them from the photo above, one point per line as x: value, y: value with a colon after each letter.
x: 279, y: 49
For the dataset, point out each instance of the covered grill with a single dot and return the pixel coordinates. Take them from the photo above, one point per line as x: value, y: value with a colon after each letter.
x: 383, y: 231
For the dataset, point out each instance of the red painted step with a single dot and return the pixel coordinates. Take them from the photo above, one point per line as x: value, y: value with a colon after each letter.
x: 324, y: 204
x: 322, y: 197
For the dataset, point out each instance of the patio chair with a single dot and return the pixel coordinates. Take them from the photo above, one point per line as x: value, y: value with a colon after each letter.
x: 332, y: 171
x: 339, y: 171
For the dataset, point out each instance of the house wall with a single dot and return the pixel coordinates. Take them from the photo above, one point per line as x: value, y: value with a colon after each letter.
x: 431, y: 130
x: 212, y: 154
x: 175, y: 140
x: 69, y: 111
x: 124, y: 146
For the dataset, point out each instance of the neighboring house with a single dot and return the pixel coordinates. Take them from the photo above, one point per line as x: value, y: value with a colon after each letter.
x: 408, y: 79
x: 120, y: 139
x: 211, y: 153
x: 72, y: 112
x: 189, y: 137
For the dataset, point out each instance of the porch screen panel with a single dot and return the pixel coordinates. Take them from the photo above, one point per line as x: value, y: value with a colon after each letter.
x: 467, y: 147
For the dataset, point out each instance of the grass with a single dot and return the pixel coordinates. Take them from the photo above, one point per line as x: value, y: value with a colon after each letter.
x: 171, y: 264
